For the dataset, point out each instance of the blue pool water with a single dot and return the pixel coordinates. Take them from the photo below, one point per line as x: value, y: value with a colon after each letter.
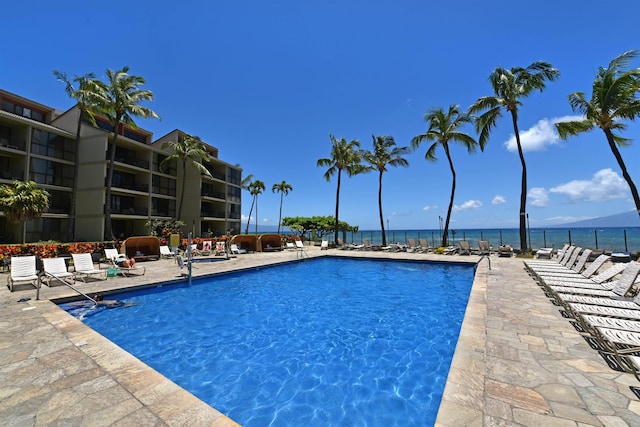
x: 324, y: 342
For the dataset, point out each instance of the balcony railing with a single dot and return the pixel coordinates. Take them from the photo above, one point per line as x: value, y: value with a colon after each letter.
x: 136, y: 187
x: 163, y: 212
x: 12, y: 174
x: 211, y: 214
x: 144, y: 164
x: 16, y: 144
x: 214, y: 194
x: 130, y: 211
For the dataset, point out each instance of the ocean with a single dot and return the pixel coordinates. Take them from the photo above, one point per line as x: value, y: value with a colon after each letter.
x: 611, y: 239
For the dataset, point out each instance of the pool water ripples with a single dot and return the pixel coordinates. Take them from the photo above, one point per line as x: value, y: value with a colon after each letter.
x: 322, y: 342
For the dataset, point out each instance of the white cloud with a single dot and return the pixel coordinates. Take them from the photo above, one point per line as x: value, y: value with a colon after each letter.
x: 429, y: 208
x: 244, y: 217
x: 539, y: 136
x: 604, y: 185
x: 538, y: 196
x: 499, y: 199
x: 469, y: 204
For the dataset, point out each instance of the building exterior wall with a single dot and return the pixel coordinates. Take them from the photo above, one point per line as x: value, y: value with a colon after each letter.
x: 140, y: 190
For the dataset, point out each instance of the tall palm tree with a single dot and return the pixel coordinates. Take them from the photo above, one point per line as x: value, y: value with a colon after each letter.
x: 256, y: 188
x: 85, y: 90
x: 283, y: 188
x: 345, y: 156
x: 190, y: 150
x: 613, y: 99
x: 120, y: 103
x: 509, y: 87
x: 385, y: 152
x: 445, y: 127
x: 23, y: 201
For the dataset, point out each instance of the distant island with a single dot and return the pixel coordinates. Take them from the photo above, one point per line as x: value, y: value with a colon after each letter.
x: 625, y: 219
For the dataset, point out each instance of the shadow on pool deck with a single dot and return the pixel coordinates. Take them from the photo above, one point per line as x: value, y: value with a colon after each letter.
x: 517, y: 361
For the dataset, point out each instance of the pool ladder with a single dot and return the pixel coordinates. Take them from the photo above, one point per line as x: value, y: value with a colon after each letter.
x: 63, y: 281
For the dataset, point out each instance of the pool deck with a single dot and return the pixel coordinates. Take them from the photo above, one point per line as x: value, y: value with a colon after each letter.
x: 518, y: 362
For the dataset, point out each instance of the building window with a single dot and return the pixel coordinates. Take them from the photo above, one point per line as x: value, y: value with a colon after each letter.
x: 234, y: 194
x: 235, y: 176
x: 23, y: 111
x: 52, y: 173
x: 163, y: 207
x: 52, y: 145
x: 164, y: 185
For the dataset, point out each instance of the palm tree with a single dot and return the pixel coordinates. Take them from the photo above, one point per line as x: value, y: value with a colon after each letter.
x: 283, y: 188
x: 385, y: 152
x: 344, y: 156
x: 23, y: 201
x: 509, y: 87
x: 86, y: 95
x: 255, y: 188
x: 120, y: 103
x: 444, y: 127
x: 613, y: 99
x: 190, y: 150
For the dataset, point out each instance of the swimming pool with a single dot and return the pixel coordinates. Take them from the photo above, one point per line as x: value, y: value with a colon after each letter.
x: 321, y: 342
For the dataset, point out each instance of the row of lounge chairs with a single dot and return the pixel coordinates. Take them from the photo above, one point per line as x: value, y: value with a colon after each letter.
x: 24, y: 269
x: 601, y: 299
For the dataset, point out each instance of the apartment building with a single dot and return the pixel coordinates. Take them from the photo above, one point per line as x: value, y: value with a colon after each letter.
x: 38, y: 143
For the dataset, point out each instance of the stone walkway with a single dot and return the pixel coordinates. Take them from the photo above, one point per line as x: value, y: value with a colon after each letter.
x: 518, y: 362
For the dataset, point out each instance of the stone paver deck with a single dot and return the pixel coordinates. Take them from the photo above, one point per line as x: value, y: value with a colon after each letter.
x: 518, y: 362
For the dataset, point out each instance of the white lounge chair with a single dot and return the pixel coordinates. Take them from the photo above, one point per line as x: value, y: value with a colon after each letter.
x: 324, y: 245
x: 236, y: 250
x: 23, y: 270
x: 291, y: 246
x: 465, y: 247
x: 300, y: 249
x: 83, y: 266
x: 165, y: 252
x: 206, y: 247
x: 55, y: 269
x: 117, y: 261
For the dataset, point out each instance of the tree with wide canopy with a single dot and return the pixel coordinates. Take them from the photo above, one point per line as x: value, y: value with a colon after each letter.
x: 23, y: 201
x: 509, y: 88
x: 614, y: 98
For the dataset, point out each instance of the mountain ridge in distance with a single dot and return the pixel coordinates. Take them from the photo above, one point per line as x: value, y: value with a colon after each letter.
x: 624, y: 219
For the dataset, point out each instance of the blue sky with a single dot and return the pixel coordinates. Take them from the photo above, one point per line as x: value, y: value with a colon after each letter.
x: 268, y: 82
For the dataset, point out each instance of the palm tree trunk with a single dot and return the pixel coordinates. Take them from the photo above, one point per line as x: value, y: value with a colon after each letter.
x: 623, y: 167
x: 256, y: 214
x: 71, y: 229
x: 280, y: 215
x: 445, y: 232
x: 384, y: 237
x: 337, y: 205
x: 184, y: 179
x: 246, y: 230
x: 523, y: 190
x: 108, y: 230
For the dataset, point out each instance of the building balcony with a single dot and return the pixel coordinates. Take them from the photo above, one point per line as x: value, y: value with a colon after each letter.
x: 211, y: 214
x: 163, y: 212
x: 214, y: 194
x: 144, y: 188
x: 132, y: 161
x: 130, y: 211
x: 12, y: 174
x: 14, y: 144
